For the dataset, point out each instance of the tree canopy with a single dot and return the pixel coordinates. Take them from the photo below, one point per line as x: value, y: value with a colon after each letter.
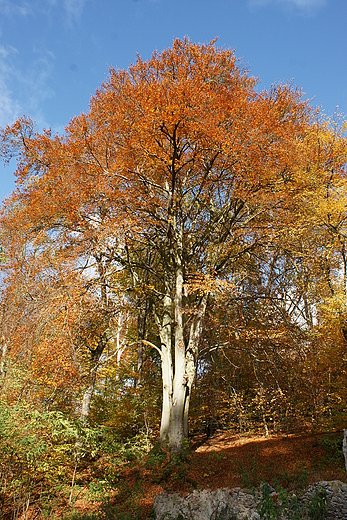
x: 188, y: 218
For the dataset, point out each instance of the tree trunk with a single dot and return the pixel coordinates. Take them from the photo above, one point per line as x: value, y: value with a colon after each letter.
x: 4, y: 349
x: 87, y: 396
x: 190, y: 371
x: 141, y: 335
x: 176, y: 435
x: 88, y: 393
x: 96, y: 354
x: 344, y: 447
x: 166, y: 365
x: 178, y: 377
x: 192, y: 357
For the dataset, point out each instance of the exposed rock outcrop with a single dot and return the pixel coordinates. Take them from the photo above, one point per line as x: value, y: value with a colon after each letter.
x: 237, y: 504
x: 222, y: 504
x: 336, y: 498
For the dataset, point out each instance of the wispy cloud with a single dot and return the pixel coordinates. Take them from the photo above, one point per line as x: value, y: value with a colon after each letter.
x: 304, y: 5
x: 23, y: 91
x: 35, y: 81
x: 11, y: 8
x: 9, y: 106
x: 307, y: 3
x: 74, y: 9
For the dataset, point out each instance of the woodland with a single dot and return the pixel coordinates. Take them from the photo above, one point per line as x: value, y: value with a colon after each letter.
x: 172, y: 267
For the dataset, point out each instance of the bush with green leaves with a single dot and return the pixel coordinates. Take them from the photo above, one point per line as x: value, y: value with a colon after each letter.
x: 38, y: 450
x: 279, y: 504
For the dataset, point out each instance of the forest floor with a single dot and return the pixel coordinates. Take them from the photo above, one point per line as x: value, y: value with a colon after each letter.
x: 227, y: 459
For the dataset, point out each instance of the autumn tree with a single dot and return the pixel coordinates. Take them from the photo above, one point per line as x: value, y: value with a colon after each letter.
x: 57, y: 265
x: 178, y: 173
x: 276, y: 346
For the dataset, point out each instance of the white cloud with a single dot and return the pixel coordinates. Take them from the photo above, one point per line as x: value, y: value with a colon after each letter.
x: 35, y: 82
x: 9, y: 107
x: 305, y: 5
x: 10, y: 8
x: 74, y: 9
x: 23, y: 91
x: 24, y: 87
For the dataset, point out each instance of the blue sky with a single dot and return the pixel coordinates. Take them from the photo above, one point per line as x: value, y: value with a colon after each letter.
x: 54, y: 54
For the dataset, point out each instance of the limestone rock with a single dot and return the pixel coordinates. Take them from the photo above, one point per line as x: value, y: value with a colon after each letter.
x: 222, y: 504
x: 237, y: 504
x: 336, y: 498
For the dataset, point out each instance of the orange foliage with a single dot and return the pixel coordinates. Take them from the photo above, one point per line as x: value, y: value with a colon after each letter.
x: 179, y: 161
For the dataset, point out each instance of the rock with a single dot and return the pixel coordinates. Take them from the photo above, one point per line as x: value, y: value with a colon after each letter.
x: 167, y: 506
x: 222, y: 504
x: 336, y: 498
x: 237, y: 504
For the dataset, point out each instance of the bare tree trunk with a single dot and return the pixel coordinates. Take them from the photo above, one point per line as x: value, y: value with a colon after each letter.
x: 166, y: 364
x: 4, y: 349
x: 180, y: 382
x: 87, y: 396
x: 167, y: 395
x: 103, y: 340
x: 190, y: 371
x: 344, y: 447
x: 141, y: 335
x: 178, y: 379
x: 94, y: 362
x: 185, y: 363
x: 192, y: 356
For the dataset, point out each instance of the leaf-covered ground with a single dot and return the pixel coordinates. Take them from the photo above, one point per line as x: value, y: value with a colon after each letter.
x: 227, y: 460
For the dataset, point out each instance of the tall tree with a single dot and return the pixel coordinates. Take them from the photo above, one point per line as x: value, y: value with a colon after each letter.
x: 177, y: 172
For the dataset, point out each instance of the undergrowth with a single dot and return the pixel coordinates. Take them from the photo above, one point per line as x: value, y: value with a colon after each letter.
x: 279, y: 504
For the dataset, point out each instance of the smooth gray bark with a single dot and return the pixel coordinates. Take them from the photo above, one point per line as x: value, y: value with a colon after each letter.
x: 88, y: 393
x: 179, y: 366
x: 192, y: 356
x: 344, y: 447
x: 176, y: 435
x: 178, y: 377
x: 166, y: 365
x: 4, y: 349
